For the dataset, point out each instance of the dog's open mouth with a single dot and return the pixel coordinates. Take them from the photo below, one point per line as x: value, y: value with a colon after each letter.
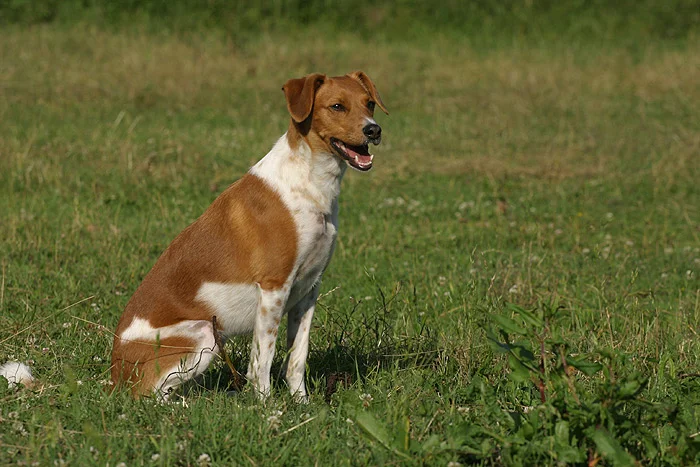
x: 357, y: 156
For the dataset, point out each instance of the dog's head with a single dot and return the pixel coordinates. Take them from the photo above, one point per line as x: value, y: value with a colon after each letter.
x: 335, y: 115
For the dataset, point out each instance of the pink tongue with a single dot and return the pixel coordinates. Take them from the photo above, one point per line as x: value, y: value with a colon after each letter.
x: 363, y: 156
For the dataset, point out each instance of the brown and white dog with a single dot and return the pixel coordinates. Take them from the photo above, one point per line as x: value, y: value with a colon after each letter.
x: 256, y: 253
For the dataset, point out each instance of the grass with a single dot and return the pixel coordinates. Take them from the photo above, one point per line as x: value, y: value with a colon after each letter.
x: 552, y: 176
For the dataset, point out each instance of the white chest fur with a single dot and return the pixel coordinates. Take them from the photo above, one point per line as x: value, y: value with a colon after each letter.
x: 309, y: 185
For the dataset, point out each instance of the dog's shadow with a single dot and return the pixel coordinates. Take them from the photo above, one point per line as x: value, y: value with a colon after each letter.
x: 344, y: 363
x: 329, y: 371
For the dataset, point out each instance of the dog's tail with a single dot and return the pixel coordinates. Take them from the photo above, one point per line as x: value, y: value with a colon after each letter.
x: 17, y: 373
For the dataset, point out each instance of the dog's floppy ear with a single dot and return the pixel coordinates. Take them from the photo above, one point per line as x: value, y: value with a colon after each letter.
x: 369, y: 86
x: 300, y: 95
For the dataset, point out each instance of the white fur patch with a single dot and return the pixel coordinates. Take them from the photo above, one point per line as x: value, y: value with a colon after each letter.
x: 289, y: 172
x: 17, y: 373
x: 140, y: 330
x: 234, y: 305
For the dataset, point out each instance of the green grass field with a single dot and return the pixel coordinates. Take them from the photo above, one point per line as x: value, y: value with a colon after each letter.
x: 515, y: 283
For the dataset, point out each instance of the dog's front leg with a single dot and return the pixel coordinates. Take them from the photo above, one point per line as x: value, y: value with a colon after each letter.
x: 298, y: 330
x: 267, y: 320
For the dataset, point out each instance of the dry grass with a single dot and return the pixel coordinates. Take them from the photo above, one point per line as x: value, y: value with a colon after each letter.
x: 600, y: 109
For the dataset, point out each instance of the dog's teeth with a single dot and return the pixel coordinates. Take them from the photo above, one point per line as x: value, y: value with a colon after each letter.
x: 357, y: 160
x: 371, y: 157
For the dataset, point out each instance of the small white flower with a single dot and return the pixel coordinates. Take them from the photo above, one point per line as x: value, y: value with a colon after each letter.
x: 121, y: 416
x: 689, y: 274
x: 609, y: 215
x: 366, y: 399
x: 473, y: 271
x: 453, y: 464
x: 513, y: 289
x: 585, y: 251
x: 155, y: 457
x: 664, y: 275
x: 67, y: 324
x: 368, y: 298
x: 275, y: 420
x: 121, y: 464
x: 203, y: 460
x: 19, y: 428
x: 349, y: 422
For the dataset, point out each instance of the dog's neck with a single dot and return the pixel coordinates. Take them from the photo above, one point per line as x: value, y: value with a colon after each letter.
x: 305, y: 179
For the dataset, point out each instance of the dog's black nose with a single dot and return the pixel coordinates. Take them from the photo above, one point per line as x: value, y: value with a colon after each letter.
x: 372, y: 131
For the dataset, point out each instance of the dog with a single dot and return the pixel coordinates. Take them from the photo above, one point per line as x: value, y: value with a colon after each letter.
x: 257, y: 253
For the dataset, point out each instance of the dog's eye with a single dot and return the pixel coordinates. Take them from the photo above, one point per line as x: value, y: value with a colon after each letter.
x: 370, y: 106
x: 338, y: 107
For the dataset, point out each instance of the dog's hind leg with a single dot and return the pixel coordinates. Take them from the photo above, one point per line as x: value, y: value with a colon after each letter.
x: 193, y: 362
x: 161, y: 359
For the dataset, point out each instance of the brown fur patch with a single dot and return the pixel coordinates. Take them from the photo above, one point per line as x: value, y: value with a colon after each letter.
x: 247, y: 235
